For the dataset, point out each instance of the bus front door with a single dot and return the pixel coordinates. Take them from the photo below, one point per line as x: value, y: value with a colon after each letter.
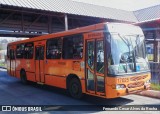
x: 95, y: 67
x: 39, y: 58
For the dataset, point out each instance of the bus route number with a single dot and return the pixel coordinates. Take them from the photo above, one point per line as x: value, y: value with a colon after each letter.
x: 123, y: 80
x: 95, y: 35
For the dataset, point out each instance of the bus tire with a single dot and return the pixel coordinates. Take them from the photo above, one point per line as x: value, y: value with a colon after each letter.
x: 75, y: 88
x: 23, y: 77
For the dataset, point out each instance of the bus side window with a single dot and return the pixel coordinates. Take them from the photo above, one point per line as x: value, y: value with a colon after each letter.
x: 19, y: 51
x: 28, y: 51
x: 54, y: 48
x: 90, y: 54
x: 73, y: 47
x: 100, y: 56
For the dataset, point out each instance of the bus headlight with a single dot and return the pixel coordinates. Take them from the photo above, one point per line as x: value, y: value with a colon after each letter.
x: 147, y: 82
x: 119, y: 86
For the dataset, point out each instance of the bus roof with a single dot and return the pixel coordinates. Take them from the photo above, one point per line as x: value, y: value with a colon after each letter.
x: 63, y: 33
x: 124, y: 29
x: 112, y: 27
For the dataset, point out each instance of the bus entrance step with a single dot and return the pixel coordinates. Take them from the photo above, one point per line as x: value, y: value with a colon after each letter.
x: 40, y: 83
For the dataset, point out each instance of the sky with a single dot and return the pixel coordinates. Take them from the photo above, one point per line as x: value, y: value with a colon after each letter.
x: 129, y: 5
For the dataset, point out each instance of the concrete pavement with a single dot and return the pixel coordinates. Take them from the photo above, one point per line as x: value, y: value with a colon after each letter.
x: 148, y: 93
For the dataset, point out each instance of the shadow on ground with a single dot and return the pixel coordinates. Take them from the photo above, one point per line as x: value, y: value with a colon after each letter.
x: 13, y: 92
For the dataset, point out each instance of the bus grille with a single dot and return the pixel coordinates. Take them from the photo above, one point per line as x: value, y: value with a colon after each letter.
x: 138, y: 78
x: 136, y: 84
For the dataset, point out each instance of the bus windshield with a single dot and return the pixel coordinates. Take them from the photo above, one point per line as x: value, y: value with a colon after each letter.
x: 127, y: 54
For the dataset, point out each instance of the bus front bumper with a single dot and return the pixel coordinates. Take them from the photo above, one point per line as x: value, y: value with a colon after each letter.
x: 114, y: 93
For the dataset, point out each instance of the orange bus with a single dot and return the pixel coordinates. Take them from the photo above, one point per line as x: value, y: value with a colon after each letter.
x: 106, y: 60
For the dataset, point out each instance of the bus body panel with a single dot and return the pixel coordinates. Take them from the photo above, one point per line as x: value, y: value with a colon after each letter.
x: 18, y: 73
x: 29, y: 65
x: 54, y: 72
x: 57, y: 81
x: 64, y: 67
x: 20, y: 63
x: 31, y: 76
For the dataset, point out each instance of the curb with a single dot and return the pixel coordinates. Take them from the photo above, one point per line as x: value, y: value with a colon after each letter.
x: 150, y: 93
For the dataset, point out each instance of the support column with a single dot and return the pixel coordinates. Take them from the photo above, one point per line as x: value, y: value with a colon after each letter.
x: 155, y: 51
x: 158, y: 48
x: 157, y: 42
x: 66, y: 22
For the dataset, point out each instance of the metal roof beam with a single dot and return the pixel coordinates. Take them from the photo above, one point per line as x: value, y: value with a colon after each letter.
x: 7, y: 17
x: 33, y: 22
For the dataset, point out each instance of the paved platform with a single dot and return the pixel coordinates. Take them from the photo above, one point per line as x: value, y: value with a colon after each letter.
x: 150, y: 93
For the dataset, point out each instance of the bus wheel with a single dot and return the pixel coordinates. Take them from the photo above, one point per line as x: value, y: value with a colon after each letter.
x: 75, y: 89
x: 23, y: 77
